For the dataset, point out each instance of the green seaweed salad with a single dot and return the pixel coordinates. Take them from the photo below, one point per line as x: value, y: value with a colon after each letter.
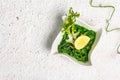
x: 77, y: 40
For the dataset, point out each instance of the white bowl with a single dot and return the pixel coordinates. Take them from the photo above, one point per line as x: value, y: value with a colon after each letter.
x: 99, y: 31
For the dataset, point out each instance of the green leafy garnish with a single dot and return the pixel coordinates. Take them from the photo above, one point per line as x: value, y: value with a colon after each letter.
x: 69, y: 22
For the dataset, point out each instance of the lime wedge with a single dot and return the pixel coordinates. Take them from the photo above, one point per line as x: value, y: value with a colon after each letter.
x: 81, y: 42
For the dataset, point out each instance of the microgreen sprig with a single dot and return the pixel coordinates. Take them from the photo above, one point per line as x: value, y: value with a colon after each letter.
x: 69, y: 22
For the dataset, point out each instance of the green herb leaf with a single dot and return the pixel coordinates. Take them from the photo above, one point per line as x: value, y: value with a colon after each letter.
x: 69, y: 22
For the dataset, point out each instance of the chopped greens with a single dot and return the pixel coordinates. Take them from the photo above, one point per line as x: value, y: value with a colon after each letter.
x: 107, y: 25
x: 71, y: 31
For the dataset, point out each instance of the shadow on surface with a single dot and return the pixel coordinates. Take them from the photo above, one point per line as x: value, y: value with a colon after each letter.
x: 55, y: 30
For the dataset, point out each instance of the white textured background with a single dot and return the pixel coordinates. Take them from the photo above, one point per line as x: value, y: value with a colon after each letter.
x: 28, y: 28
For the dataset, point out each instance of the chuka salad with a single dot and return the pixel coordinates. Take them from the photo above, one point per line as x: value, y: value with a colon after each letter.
x: 77, y: 40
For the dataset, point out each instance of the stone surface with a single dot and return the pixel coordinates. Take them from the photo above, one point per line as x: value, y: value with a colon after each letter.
x: 28, y: 28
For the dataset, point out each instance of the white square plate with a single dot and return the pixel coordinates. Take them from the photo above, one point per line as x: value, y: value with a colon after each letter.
x: 99, y: 33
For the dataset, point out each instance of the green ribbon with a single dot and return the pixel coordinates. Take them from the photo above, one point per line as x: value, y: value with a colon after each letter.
x: 108, y: 23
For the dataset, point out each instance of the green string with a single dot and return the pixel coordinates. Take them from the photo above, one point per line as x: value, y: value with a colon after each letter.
x: 108, y: 23
x: 118, y: 49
